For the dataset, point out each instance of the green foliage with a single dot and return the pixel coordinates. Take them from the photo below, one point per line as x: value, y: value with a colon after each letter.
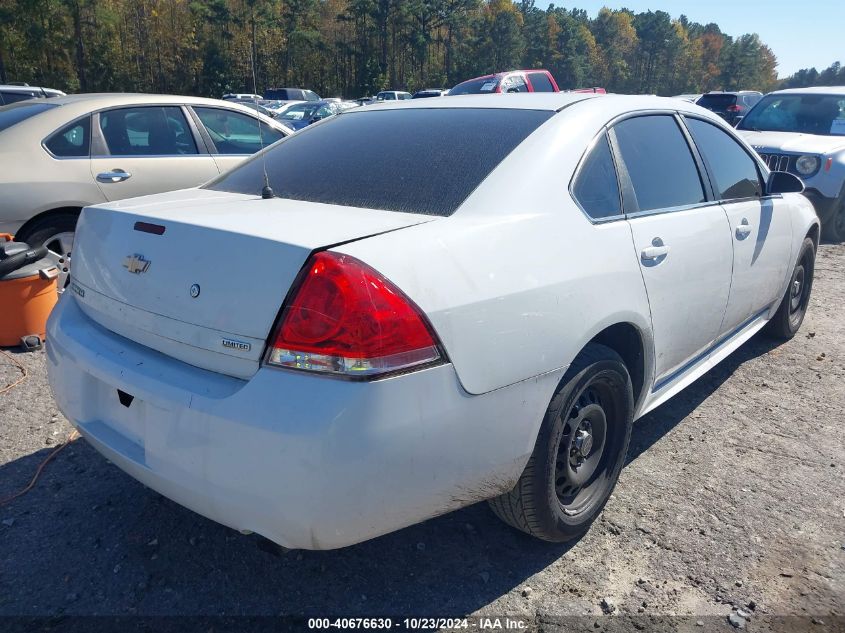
x: 358, y: 47
x: 833, y: 75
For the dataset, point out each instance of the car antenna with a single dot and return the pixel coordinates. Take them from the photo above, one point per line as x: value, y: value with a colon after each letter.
x: 266, y: 190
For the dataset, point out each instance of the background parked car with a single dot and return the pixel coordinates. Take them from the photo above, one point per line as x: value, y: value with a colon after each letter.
x: 234, y: 96
x: 62, y: 154
x: 278, y: 107
x: 392, y: 95
x: 537, y: 80
x: 14, y: 93
x: 426, y: 93
x: 803, y: 131
x: 731, y: 106
x: 688, y: 97
x: 291, y: 94
x: 256, y: 104
x: 303, y: 114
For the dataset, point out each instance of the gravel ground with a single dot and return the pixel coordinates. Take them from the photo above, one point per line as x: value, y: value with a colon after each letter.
x: 733, y: 495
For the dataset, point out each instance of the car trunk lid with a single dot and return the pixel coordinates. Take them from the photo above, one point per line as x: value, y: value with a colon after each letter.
x: 201, y: 275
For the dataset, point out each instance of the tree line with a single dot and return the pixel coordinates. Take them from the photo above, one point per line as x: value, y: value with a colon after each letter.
x: 833, y: 75
x: 353, y: 48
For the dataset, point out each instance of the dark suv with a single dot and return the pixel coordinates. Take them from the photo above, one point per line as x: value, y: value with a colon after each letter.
x: 290, y: 94
x: 731, y: 106
x: 14, y: 93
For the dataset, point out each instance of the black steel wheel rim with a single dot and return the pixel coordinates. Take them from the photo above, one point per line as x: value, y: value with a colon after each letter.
x: 796, y: 288
x: 587, y: 451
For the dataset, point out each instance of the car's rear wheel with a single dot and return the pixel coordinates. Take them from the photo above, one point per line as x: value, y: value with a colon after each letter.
x: 793, y: 306
x: 56, y: 232
x: 579, y: 452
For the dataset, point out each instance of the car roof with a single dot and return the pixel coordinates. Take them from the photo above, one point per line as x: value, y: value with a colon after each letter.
x: 107, y: 99
x: 20, y: 88
x: 732, y: 92
x: 814, y: 90
x: 551, y: 102
x: 69, y: 107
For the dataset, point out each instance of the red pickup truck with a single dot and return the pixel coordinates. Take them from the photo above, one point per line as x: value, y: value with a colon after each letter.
x: 537, y: 80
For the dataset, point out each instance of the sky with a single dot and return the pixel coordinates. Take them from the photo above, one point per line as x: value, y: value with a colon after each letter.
x: 802, y: 34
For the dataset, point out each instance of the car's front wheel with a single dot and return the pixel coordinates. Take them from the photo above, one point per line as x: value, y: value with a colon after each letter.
x: 793, y: 306
x: 579, y: 452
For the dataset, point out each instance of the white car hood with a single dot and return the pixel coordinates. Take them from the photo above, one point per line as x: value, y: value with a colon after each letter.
x: 793, y: 142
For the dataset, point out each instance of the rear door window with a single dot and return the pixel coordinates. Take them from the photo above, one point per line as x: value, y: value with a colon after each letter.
x: 147, y: 131
x: 734, y: 170
x: 72, y: 141
x: 404, y: 170
x: 236, y: 133
x: 659, y: 163
x: 514, y: 83
x: 596, y: 187
x: 540, y: 82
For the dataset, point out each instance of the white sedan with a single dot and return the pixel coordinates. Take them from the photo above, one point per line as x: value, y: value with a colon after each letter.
x: 479, y: 311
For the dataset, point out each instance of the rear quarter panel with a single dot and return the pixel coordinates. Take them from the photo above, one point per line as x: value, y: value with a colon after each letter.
x: 31, y: 180
x: 518, y: 280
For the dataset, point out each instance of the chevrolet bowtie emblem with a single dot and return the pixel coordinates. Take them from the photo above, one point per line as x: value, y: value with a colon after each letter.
x: 136, y: 264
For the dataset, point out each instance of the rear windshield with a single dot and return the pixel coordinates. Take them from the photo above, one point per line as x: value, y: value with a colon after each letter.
x: 719, y: 102
x: 17, y: 112
x: 417, y: 160
x: 475, y: 86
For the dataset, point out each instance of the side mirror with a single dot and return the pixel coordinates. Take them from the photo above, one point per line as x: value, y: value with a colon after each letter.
x: 737, y: 120
x: 783, y: 182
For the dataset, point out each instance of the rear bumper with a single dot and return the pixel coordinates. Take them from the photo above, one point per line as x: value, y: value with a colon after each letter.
x: 307, y: 461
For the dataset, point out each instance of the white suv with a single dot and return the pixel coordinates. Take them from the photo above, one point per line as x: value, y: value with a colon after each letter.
x: 802, y: 131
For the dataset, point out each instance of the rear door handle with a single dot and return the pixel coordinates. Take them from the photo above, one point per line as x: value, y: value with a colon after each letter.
x: 743, y: 230
x: 115, y: 175
x: 656, y: 251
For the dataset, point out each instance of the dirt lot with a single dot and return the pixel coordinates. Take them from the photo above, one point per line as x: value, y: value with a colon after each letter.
x: 733, y: 495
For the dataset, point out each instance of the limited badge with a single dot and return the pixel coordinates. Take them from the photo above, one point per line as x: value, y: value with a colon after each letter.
x: 239, y: 345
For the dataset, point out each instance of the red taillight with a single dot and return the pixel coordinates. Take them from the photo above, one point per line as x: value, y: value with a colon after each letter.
x: 734, y: 108
x: 346, y: 318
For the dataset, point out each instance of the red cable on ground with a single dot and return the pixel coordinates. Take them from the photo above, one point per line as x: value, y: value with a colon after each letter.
x: 70, y: 438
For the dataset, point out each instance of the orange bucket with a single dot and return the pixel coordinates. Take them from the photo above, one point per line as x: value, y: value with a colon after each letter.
x: 27, y: 297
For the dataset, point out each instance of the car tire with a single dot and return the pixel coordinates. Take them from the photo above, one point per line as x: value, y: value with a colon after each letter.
x: 44, y: 229
x: 55, y: 231
x: 833, y: 228
x: 793, y: 306
x: 567, y: 483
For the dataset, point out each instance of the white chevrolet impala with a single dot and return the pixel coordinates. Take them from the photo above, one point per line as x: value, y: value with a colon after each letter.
x: 405, y: 310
